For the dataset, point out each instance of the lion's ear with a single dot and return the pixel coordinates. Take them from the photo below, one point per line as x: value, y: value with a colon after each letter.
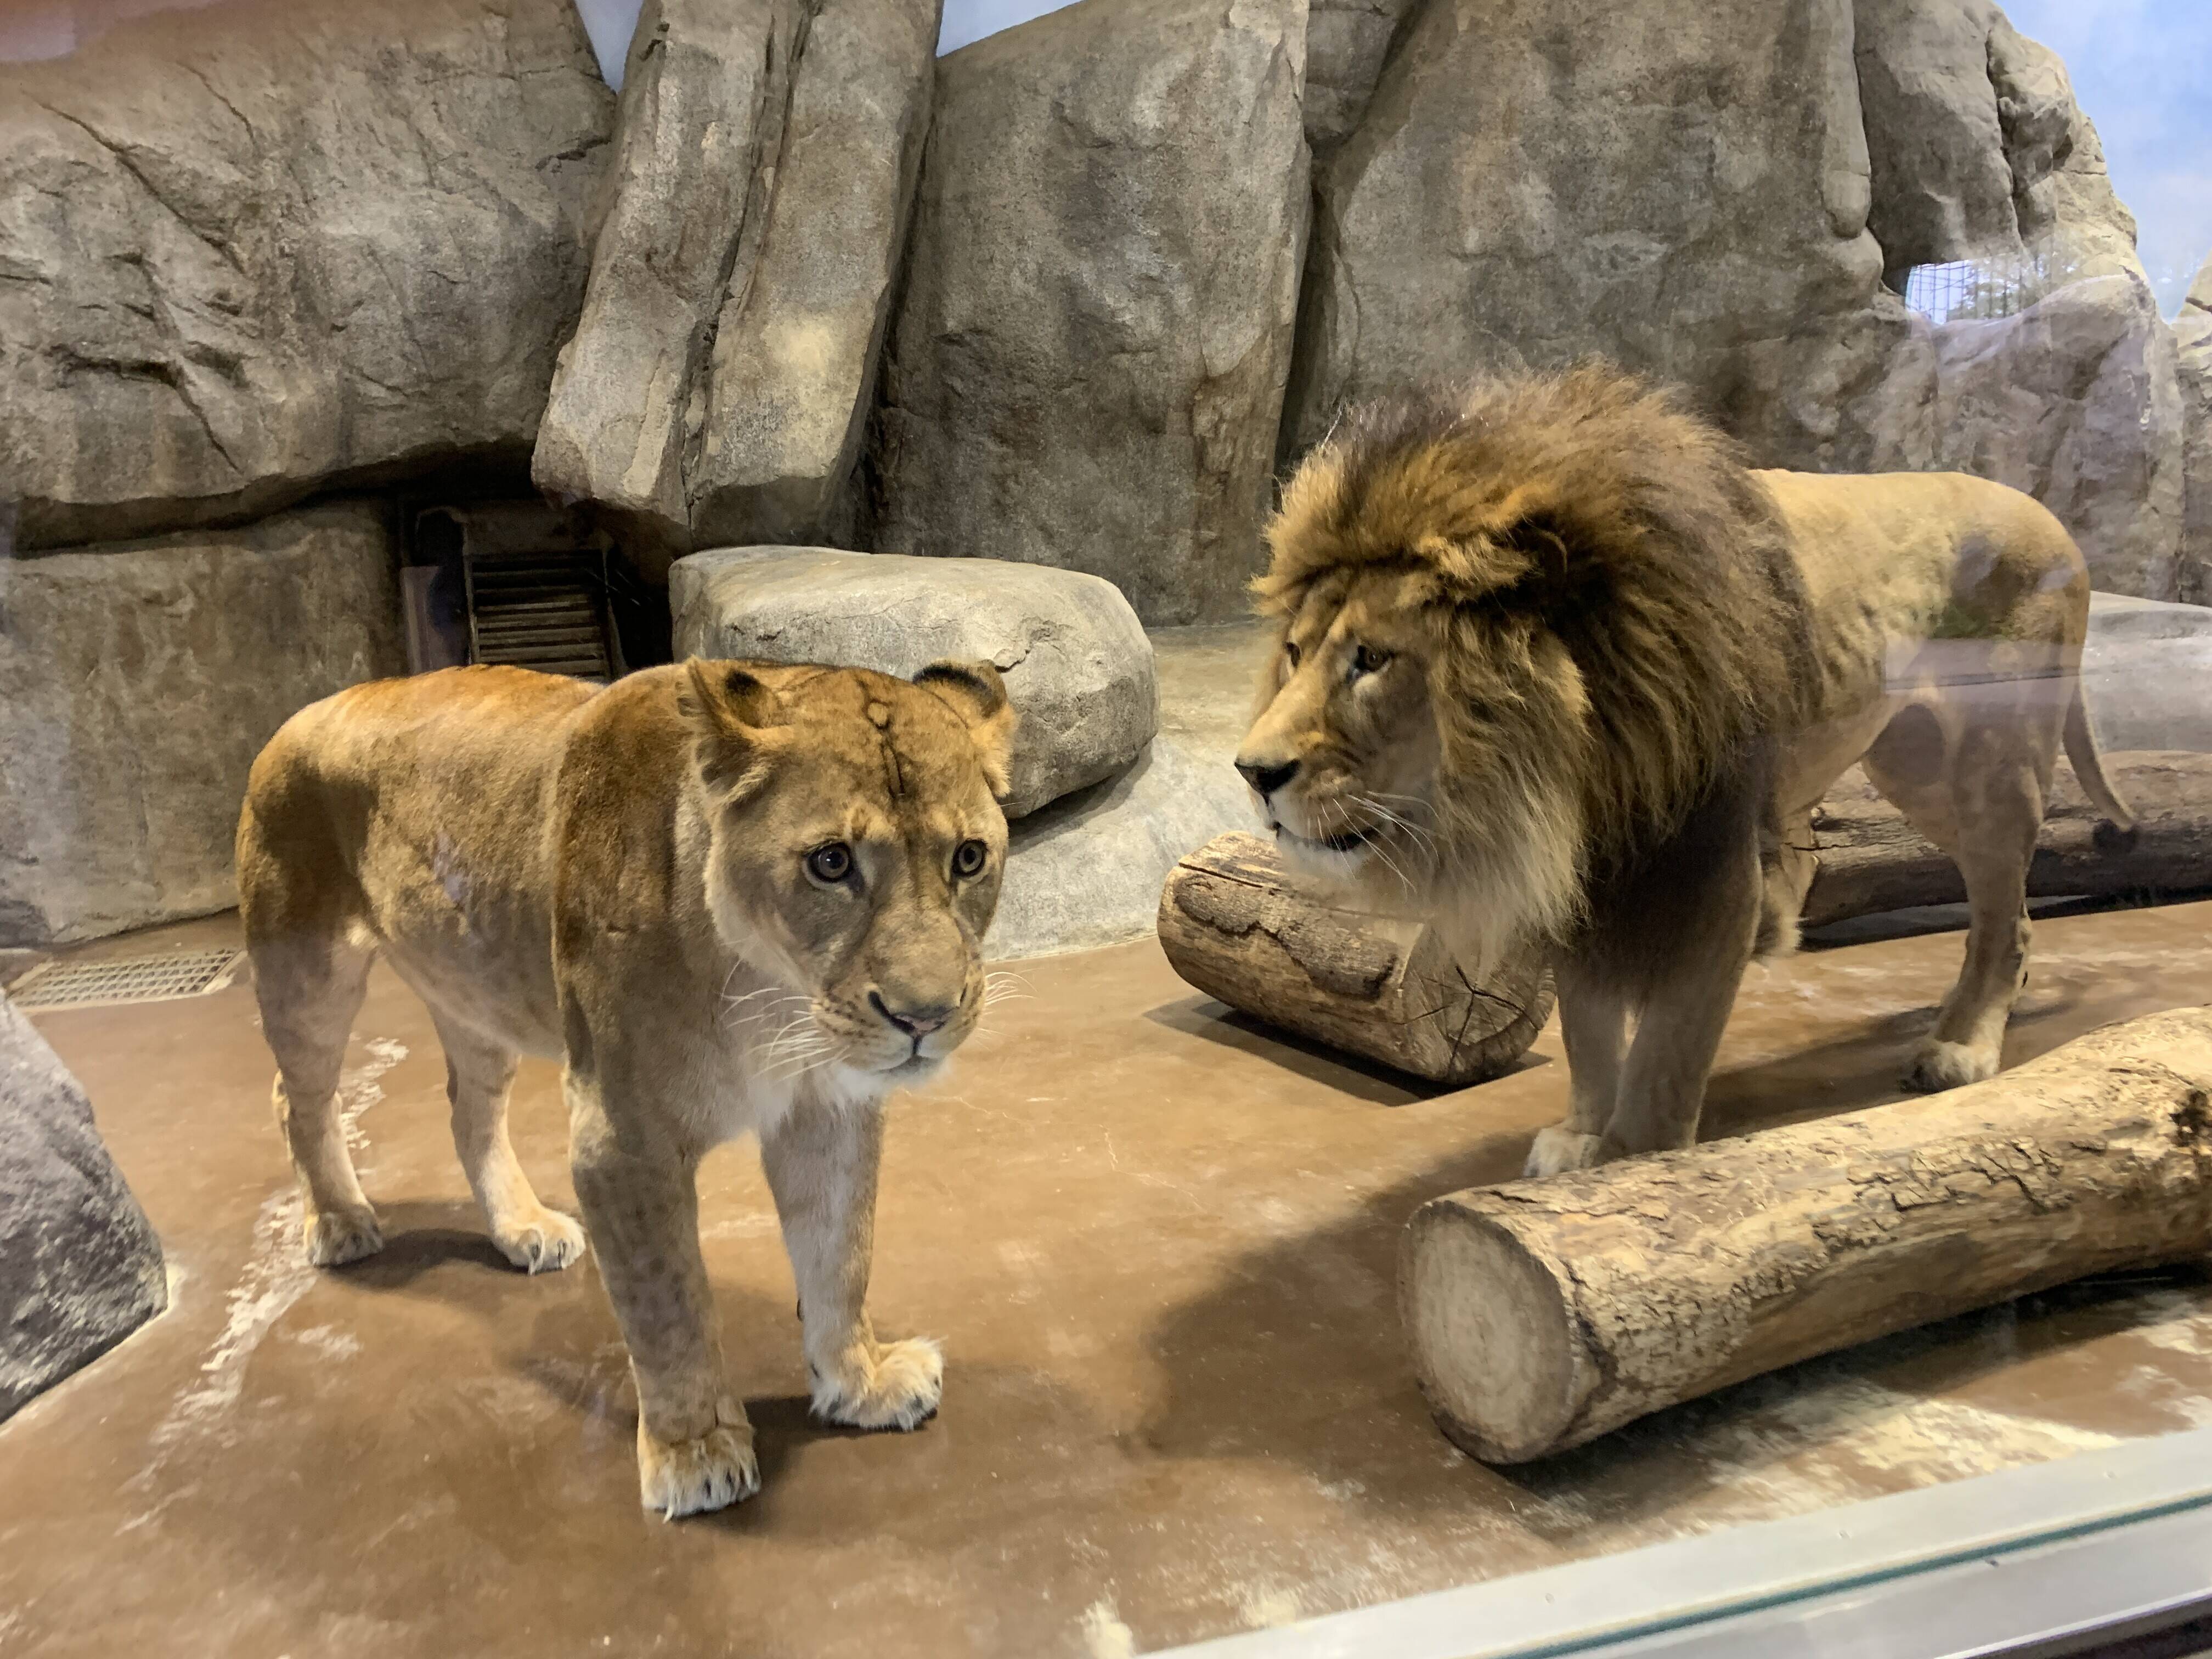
x: 974, y: 691
x: 728, y: 709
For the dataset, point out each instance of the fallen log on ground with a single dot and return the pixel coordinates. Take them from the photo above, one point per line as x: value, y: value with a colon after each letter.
x: 1870, y: 859
x: 1543, y: 1313
x: 1233, y: 927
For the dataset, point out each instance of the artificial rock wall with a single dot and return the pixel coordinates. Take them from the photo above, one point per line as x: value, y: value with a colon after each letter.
x: 1072, y: 297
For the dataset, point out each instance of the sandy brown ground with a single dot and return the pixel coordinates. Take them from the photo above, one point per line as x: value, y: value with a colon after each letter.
x: 1159, y: 1244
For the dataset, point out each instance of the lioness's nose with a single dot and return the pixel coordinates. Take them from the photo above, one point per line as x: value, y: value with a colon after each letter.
x: 1268, y: 776
x: 915, y: 1022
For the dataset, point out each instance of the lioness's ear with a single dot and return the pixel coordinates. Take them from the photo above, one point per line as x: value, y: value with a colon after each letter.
x: 727, y: 709
x: 974, y: 691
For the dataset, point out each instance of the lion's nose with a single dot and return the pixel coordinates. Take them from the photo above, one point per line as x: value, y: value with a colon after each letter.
x: 915, y: 1022
x: 1266, y: 777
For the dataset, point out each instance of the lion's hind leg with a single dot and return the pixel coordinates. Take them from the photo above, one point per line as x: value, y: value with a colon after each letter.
x: 479, y: 1071
x: 1978, y: 792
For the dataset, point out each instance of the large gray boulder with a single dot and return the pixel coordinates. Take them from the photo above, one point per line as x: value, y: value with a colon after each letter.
x: 794, y: 370
x: 1087, y: 871
x: 1087, y: 368
x: 2058, y: 376
x: 256, y: 245
x: 2076, y: 400
x: 1346, y: 41
x: 719, y: 381
x: 80, y: 1268
x: 2147, y: 673
x: 136, y: 685
x: 2192, y: 331
x: 703, y: 93
x: 1076, y: 664
x: 1682, y: 188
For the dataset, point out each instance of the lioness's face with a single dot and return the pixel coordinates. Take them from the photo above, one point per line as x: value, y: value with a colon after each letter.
x: 857, y: 849
x: 1343, y: 751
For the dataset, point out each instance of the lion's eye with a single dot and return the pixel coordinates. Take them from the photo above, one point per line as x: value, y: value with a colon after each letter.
x: 1366, y: 660
x: 831, y: 862
x: 1291, y: 652
x: 967, y: 858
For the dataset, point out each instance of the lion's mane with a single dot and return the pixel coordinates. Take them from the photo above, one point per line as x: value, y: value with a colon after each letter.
x: 1614, y: 619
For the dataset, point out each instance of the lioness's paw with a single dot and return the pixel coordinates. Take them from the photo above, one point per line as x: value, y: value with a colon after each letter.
x: 896, y: 1387
x: 1949, y: 1066
x: 545, y: 1243
x: 689, y: 1477
x: 1558, y: 1149
x: 334, y: 1237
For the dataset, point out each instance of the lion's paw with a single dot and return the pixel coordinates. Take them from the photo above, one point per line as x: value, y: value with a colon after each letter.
x: 689, y: 1477
x: 1558, y: 1149
x: 334, y: 1237
x: 1940, y: 1065
x: 544, y: 1243
x: 898, y: 1388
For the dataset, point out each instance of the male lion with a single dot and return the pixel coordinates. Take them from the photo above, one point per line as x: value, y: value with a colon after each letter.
x: 1557, y: 665
x: 732, y: 896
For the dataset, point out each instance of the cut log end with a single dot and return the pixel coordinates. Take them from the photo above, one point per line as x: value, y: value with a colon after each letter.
x: 1491, y: 1337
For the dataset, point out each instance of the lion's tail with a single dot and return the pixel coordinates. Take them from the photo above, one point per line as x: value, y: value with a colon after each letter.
x: 2089, y: 767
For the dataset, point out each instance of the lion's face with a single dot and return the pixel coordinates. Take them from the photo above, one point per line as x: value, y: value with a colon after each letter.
x: 856, y: 856
x: 1343, y: 750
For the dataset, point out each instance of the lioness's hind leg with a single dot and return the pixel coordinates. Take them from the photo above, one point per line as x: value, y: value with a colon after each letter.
x: 479, y: 1073
x: 820, y: 1164
x: 310, y: 987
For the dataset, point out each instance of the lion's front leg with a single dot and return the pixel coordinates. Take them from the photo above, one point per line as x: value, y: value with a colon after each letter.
x: 641, y: 1204
x: 820, y: 1164
x: 1593, y: 1021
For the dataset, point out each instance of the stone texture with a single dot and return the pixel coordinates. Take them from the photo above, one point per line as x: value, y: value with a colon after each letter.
x: 136, y: 685
x: 1087, y: 871
x: 703, y: 95
x: 255, y: 247
x: 1682, y: 188
x: 2076, y: 400
x: 719, y: 382
x: 1088, y: 364
x: 2147, y: 674
x: 1981, y: 157
x: 1076, y: 661
x: 2192, y: 331
x: 1347, y: 42
x: 1942, y: 182
x: 794, y: 370
x: 80, y: 1268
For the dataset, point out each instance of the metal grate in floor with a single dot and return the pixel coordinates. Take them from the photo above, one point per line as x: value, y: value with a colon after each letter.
x: 124, y: 980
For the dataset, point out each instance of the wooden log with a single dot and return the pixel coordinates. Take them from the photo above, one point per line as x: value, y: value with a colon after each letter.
x: 1233, y: 927
x: 1870, y: 859
x: 1543, y: 1313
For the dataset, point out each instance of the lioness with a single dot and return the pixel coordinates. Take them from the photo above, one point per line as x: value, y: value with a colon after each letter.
x: 730, y: 896
x: 1556, y: 664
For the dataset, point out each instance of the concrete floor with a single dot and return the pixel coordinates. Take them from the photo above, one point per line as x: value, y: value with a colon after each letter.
x: 1159, y: 1244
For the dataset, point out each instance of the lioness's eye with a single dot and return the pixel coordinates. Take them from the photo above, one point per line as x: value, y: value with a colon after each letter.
x: 1291, y: 652
x: 967, y: 858
x: 832, y: 862
x: 1366, y: 660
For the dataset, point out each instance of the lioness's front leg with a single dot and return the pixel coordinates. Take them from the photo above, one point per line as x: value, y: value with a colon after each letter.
x: 641, y: 1204
x: 820, y: 1164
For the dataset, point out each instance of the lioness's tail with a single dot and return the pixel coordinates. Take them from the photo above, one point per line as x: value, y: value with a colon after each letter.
x: 2089, y: 767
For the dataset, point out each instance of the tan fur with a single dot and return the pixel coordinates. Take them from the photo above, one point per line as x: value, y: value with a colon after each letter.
x: 1557, y: 665
x: 621, y: 878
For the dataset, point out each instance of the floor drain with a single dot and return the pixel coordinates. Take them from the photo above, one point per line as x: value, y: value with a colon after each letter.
x: 125, y: 979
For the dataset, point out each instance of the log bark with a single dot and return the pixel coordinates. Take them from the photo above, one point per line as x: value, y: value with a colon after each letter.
x: 1233, y: 927
x: 1870, y: 859
x: 1543, y: 1313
